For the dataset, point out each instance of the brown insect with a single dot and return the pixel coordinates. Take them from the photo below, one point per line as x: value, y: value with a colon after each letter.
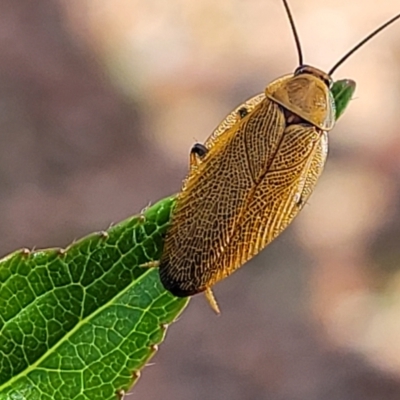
x: 251, y: 177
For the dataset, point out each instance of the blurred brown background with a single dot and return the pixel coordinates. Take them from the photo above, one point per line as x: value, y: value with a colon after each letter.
x: 100, y: 102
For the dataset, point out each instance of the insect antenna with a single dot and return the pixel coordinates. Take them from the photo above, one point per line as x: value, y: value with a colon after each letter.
x: 295, y: 34
x: 360, y: 44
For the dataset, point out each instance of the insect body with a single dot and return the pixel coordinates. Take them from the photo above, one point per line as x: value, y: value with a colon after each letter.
x: 250, y: 179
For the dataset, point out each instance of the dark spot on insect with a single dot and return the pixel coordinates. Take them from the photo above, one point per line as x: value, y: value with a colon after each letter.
x: 199, y: 149
x: 242, y: 112
x: 174, y: 286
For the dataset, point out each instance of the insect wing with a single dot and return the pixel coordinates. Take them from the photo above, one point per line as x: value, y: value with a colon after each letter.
x: 279, y: 197
x: 215, y: 196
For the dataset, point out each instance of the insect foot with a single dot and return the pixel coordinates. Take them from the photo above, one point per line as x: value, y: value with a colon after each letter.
x: 150, y: 264
x: 211, y: 301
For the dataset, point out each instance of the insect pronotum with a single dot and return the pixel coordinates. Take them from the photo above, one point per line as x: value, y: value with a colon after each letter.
x: 251, y: 177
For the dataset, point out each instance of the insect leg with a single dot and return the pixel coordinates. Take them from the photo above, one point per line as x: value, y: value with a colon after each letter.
x: 197, y: 152
x: 150, y: 264
x: 242, y: 112
x: 211, y: 300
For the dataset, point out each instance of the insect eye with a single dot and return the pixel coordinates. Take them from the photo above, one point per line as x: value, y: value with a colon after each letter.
x: 300, y: 70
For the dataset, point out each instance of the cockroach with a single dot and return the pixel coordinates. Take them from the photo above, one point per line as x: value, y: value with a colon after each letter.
x: 251, y: 177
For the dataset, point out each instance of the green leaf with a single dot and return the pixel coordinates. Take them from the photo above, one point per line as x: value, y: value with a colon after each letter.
x: 80, y: 323
x: 342, y: 92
